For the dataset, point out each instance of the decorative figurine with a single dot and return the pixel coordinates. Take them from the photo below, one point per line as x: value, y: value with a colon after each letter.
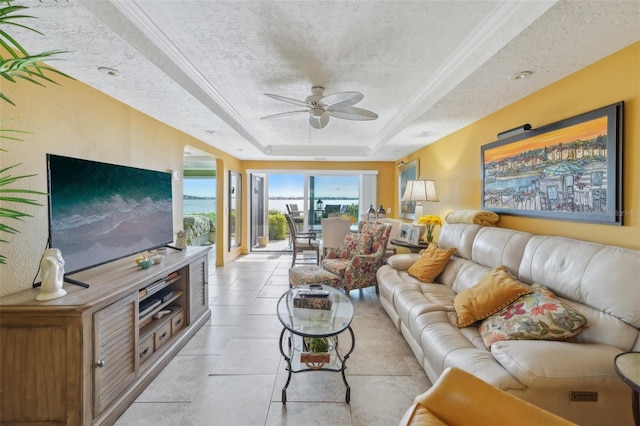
x: 52, y: 275
x: 181, y: 239
x: 382, y: 213
x: 371, y: 214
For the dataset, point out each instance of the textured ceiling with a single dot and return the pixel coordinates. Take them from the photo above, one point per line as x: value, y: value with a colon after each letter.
x: 427, y: 68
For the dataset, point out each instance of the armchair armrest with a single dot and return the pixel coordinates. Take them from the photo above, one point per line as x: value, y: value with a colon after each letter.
x: 458, y: 397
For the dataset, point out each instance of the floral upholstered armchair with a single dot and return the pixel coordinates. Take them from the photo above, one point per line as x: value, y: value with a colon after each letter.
x: 360, y: 256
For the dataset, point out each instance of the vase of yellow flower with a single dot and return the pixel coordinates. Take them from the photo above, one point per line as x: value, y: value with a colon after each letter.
x: 430, y: 221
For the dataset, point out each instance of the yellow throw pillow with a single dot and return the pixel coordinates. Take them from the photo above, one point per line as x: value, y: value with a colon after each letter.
x: 432, y: 261
x: 497, y: 289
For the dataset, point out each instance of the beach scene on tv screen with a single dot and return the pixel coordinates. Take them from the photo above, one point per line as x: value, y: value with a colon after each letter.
x: 101, y: 212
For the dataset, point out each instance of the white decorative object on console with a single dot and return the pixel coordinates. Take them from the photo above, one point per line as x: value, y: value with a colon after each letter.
x: 52, y: 275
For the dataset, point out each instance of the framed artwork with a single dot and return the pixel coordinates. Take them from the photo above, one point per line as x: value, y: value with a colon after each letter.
x: 569, y: 170
x: 403, y: 235
x: 408, y: 171
x: 414, y: 235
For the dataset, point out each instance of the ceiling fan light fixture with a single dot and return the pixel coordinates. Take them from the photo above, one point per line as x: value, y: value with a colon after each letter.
x: 318, y: 111
x: 321, y: 107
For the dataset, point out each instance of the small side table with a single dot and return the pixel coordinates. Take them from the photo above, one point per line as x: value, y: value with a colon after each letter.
x: 415, y: 248
x: 628, y: 368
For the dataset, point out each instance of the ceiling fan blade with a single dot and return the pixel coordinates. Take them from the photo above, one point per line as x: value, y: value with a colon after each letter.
x: 318, y: 121
x: 353, y: 113
x: 284, y: 114
x: 341, y: 100
x: 289, y: 100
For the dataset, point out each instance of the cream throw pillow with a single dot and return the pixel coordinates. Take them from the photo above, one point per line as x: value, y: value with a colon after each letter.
x: 496, y: 290
x: 432, y: 261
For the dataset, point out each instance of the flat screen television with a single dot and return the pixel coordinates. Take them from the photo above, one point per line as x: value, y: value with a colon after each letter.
x: 100, y: 212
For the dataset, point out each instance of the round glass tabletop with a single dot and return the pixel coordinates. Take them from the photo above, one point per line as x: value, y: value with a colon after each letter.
x: 333, y: 318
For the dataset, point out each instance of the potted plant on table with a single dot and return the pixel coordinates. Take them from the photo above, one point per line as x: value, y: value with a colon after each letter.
x: 316, y: 352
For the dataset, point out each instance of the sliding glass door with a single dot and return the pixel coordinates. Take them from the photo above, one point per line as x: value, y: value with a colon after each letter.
x: 310, y: 195
x: 331, y: 195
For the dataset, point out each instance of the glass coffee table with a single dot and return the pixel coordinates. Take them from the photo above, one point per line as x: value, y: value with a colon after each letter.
x: 306, y: 329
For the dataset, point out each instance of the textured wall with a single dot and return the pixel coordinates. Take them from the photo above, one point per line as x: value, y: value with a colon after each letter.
x: 454, y: 161
x: 77, y: 121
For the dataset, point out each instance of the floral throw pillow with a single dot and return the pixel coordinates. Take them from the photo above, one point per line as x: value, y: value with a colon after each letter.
x: 356, y: 244
x: 539, y: 315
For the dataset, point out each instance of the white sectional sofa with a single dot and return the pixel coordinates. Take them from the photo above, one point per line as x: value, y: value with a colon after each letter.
x: 601, y: 282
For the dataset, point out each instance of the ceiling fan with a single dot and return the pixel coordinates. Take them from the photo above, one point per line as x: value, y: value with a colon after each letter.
x: 320, y: 107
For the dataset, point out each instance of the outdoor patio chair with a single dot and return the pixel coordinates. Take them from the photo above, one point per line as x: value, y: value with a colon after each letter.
x: 296, y: 215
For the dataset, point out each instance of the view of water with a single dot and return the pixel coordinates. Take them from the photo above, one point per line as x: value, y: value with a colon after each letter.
x: 208, y: 205
x: 280, y: 204
x: 205, y: 205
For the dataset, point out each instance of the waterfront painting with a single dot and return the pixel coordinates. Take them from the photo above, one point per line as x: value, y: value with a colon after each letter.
x: 568, y: 170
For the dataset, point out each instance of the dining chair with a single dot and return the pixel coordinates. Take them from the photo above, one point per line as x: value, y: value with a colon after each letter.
x: 302, y: 241
x: 296, y: 215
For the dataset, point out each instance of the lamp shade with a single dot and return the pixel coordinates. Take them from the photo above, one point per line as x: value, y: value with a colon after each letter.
x: 420, y: 190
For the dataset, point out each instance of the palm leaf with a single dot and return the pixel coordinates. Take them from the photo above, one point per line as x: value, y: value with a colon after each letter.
x: 20, y: 65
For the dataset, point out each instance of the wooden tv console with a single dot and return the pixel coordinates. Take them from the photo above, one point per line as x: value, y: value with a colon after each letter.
x: 83, y: 359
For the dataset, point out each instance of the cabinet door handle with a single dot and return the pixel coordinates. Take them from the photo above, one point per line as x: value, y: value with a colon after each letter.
x: 178, y: 322
x: 143, y: 353
x: 100, y: 363
x: 163, y: 335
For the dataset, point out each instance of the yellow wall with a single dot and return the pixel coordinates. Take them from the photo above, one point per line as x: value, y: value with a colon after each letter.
x: 77, y: 121
x: 454, y: 161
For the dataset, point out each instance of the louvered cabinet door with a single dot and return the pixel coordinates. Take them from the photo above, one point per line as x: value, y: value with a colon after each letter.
x: 115, y: 341
x: 198, y: 290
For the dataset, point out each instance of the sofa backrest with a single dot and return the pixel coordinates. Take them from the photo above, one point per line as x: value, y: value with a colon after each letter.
x: 500, y: 247
x: 602, y: 282
x: 479, y: 249
x: 602, y: 277
x: 460, y: 236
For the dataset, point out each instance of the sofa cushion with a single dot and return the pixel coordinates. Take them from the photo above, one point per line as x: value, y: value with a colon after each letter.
x: 336, y: 266
x: 535, y: 316
x: 550, y: 364
x: 495, y: 290
x: 356, y: 244
x: 431, y: 263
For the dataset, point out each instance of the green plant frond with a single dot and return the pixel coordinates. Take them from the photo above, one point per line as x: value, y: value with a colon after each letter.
x: 18, y: 191
x: 4, y: 98
x: 10, y: 167
x: 38, y: 72
x: 12, y: 65
x: 9, y: 138
x: 11, y: 44
x: 4, y: 130
x: 8, y: 229
x: 20, y: 201
x: 13, y: 214
x: 7, y: 180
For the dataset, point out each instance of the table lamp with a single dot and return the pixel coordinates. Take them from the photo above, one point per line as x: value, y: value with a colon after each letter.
x: 420, y: 190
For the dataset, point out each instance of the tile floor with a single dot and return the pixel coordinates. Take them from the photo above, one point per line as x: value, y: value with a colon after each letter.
x: 232, y: 373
